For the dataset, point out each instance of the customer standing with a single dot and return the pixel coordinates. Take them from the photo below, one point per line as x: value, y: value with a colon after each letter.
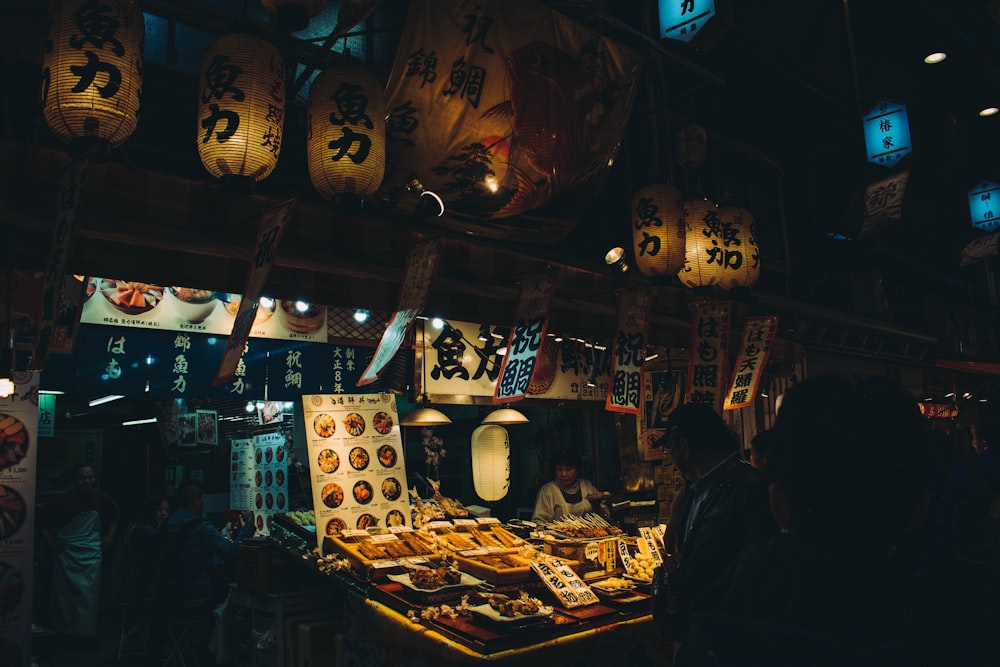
x: 567, y: 493
x: 79, y: 526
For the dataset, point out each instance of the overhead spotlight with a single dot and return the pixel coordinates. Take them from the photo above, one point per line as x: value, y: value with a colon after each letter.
x: 250, y: 407
x: 361, y: 315
x: 600, y: 347
x: 615, y: 258
x: 54, y: 392
x: 557, y: 338
x: 428, y: 203
x: 651, y: 355
x: 591, y: 381
x: 437, y: 323
x: 967, y: 395
x: 988, y: 111
x: 935, y: 58
x: 6, y: 387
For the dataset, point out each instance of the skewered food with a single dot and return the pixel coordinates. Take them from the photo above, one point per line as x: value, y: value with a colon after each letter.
x: 372, y: 551
x: 590, y: 525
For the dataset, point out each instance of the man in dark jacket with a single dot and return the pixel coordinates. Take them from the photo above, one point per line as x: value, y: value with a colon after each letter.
x: 723, y: 508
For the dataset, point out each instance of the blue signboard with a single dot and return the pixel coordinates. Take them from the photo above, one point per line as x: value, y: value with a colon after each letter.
x: 681, y: 19
x: 982, y: 208
x: 887, y: 133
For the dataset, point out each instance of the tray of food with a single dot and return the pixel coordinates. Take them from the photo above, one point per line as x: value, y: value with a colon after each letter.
x: 432, y: 580
x: 614, y: 587
x: 366, y: 551
x: 519, y: 610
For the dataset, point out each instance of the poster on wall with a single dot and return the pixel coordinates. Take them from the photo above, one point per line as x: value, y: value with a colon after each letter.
x: 269, y: 467
x: 241, y: 475
x: 18, y: 458
x: 662, y: 393
x: 355, y: 462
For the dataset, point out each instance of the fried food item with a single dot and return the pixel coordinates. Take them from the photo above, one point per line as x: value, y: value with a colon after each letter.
x: 436, y: 578
x: 372, y: 551
x: 419, y: 545
x: 506, y: 537
x: 398, y: 549
x: 391, y: 488
x: 522, y: 606
x: 485, y: 538
x: 363, y: 492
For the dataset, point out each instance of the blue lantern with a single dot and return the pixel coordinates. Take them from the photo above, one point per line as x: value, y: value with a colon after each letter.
x: 681, y: 19
x: 887, y: 133
x: 982, y: 209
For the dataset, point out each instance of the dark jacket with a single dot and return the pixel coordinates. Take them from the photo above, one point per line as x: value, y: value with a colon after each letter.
x: 202, y: 553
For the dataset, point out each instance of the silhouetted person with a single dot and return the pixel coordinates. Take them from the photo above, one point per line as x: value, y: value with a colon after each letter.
x: 759, y: 446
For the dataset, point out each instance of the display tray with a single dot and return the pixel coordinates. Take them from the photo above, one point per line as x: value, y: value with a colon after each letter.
x: 307, y: 533
x: 501, y: 576
x: 488, y: 613
x: 362, y: 563
x: 485, y: 636
x: 629, y: 598
x: 403, y: 579
x: 403, y: 599
x: 589, y: 612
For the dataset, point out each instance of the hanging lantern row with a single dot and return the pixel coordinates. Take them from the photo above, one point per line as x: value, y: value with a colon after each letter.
x: 658, y: 230
x: 92, y: 70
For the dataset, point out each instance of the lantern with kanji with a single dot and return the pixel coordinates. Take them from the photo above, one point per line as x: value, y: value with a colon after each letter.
x: 658, y: 230
x: 703, y: 253
x: 92, y: 70
x: 345, y: 133
x: 293, y: 14
x: 740, y: 252
x: 490, y: 462
x: 241, y: 107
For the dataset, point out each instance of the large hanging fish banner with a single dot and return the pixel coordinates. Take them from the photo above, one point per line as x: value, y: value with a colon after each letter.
x: 508, y: 111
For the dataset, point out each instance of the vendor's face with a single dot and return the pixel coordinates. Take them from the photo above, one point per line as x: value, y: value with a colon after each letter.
x: 162, y: 512
x: 565, y: 475
x: 85, y: 479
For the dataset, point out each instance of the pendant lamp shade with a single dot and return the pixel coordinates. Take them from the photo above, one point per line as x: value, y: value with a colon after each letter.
x: 490, y: 462
x: 703, y: 244
x: 740, y: 252
x: 505, y: 415
x: 92, y: 70
x: 345, y: 134
x: 293, y: 14
x: 658, y: 230
x: 241, y: 107
x: 425, y: 415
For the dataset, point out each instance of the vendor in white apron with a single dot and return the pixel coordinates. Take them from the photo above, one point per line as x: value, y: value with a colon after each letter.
x: 79, y: 526
x: 567, y: 494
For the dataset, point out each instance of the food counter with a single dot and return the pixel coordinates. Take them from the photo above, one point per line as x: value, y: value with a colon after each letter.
x: 386, y: 617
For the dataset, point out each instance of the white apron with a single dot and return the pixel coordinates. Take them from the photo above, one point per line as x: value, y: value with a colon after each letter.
x: 76, y: 577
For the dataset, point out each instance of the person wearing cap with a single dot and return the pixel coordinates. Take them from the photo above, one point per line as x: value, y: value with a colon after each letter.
x: 567, y: 493
x: 723, y: 508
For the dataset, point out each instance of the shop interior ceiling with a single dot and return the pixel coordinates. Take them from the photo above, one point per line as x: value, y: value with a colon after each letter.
x: 780, y: 88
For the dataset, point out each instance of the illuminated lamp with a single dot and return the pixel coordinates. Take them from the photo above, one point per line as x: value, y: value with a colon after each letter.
x: 345, y: 132
x: 293, y: 14
x: 702, y: 244
x: 490, y: 462
x: 241, y: 108
x: 92, y: 70
x: 658, y: 230
x: 740, y: 249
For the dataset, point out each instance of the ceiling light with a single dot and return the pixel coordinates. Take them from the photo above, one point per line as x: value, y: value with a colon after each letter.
x: 615, y: 258
x: 54, y: 392
x: 137, y: 422
x: 250, y: 407
x: 935, y: 58
x: 505, y: 415
x: 6, y: 387
x: 988, y: 111
x: 104, y: 399
x: 651, y: 356
x: 437, y: 323
x: 361, y: 316
x: 950, y: 394
x: 265, y: 301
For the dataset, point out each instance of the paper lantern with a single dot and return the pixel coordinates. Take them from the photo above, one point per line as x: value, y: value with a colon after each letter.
x: 345, y: 132
x: 293, y: 14
x: 92, y: 70
x: 658, y: 230
x: 702, y: 263
x: 690, y: 146
x: 740, y: 253
x: 491, y: 462
x: 241, y: 107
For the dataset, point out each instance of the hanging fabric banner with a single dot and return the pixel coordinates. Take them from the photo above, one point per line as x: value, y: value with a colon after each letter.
x: 525, y: 340
x: 70, y: 186
x: 421, y: 267
x: 884, y: 203
x: 269, y: 231
x: 758, y: 334
x: 707, y: 364
x: 629, y: 351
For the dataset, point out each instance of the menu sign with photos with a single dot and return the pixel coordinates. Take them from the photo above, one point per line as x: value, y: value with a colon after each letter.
x: 270, y: 479
x: 356, y: 462
x: 241, y: 471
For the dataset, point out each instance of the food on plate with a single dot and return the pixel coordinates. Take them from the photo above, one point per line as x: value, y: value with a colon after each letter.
x: 366, y: 521
x: 279, y: 477
x: 332, y: 495
x: 258, y: 455
x: 614, y: 584
x: 11, y: 588
x: 354, y: 423
x: 259, y: 501
x: 511, y: 607
x: 328, y: 460
x: 260, y: 522
x: 382, y: 422
x: 436, y: 578
x: 268, y: 455
x: 265, y: 308
x: 194, y: 305
x: 280, y: 501
x: 131, y: 298
x: 391, y: 488
x: 358, y: 458
x: 363, y: 492
x: 335, y: 525
x: 13, y: 441
x: 303, y: 518
x: 269, y: 500
x: 304, y: 321
x: 398, y: 549
x: 395, y: 518
x: 324, y: 424
x: 268, y: 478
x: 192, y: 295
x: 279, y: 454
x: 258, y: 478
x: 387, y: 456
x: 641, y: 567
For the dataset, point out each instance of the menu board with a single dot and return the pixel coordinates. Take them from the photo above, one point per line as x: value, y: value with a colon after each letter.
x: 269, y: 467
x: 355, y: 462
x: 241, y: 475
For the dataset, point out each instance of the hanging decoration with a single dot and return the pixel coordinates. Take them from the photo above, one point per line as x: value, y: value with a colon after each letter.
x: 739, y: 254
x: 293, y: 15
x: 658, y: 230
x: 345, y: 132
x: 981, y: 208
x: 887, y: 133
x: 702, y: 241
x: 629, y: 351
x: 691, y: 146
x: 92, y: 70
x: 758, y: 334
x: 706, y: 375
x: 241, y: 107
x: 490, y: 462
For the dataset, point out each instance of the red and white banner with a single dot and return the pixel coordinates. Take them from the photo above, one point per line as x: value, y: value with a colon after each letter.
x: 525, y: 340
x: 269, y: 232
x: 629, y: 351
x: 421, y: 267
x: 707, y: 362
x: 758, y: 334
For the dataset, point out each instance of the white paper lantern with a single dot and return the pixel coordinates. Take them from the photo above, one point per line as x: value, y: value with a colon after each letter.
x: 92, y: 70
x: 241, y: 107
x: 491, y: 462
x: 345, y: 133
x: 740, y: 252
x: 702, y: 259
x: 658, y: 230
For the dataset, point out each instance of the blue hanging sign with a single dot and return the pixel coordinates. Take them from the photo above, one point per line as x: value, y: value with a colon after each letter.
x: 681, y: 19
x: 887, y: 133
x: 982, y: 209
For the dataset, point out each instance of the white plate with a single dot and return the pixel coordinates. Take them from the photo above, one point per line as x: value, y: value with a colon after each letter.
x: 598, y: 586
x: 494, y: 615
x: 642, y: 582
x: 404, y: 579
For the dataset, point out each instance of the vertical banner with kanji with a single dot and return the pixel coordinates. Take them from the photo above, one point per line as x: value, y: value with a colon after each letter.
x: 526, y: 337
x: 629, y: 351
x: 421, y: 266
x: 269, y: 231
x: 707, y: 362
x: 758, y: 334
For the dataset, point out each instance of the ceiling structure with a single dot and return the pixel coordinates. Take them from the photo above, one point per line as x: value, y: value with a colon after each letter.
x: 779, y: 86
